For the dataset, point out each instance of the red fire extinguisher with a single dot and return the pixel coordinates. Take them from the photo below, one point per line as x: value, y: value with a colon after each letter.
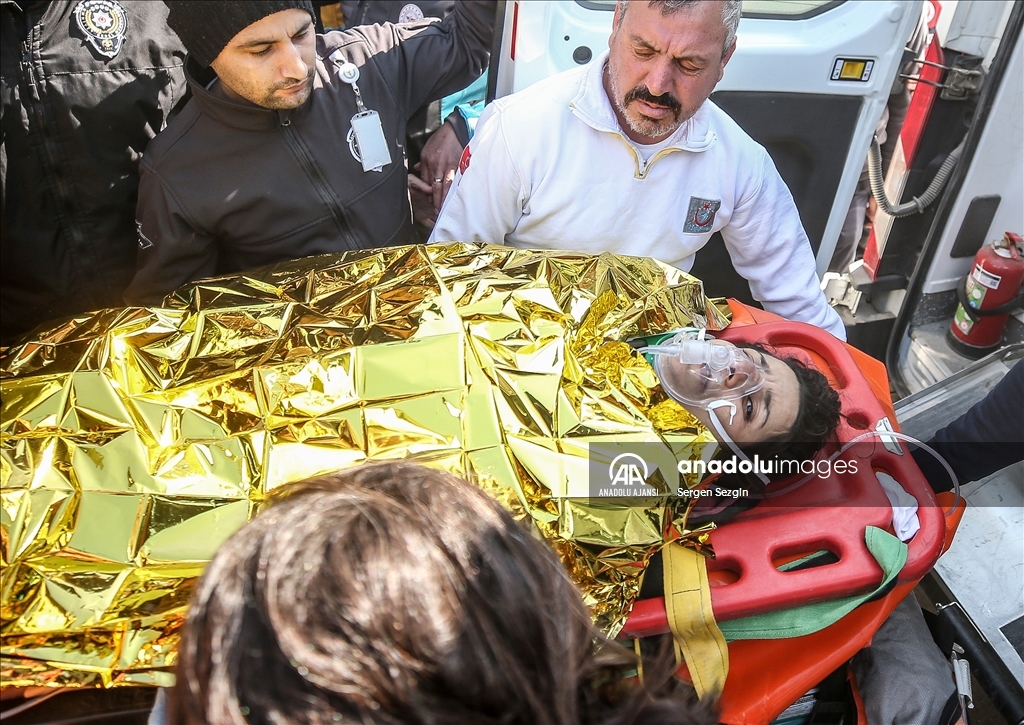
x: 987, y: 296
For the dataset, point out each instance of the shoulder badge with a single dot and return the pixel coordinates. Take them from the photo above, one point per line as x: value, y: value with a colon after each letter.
x: 700, y: 217
x: 104, y: 23
x: 410, y: 13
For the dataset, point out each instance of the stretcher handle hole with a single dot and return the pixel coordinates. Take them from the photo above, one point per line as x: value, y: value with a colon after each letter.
x: 858, y: 420
x: 723, y: 571
x: 796, y: 556
x: 800, y: 562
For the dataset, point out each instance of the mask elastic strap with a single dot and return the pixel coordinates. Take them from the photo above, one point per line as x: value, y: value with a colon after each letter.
x: 712, y: 406
x: 720, y: 429
x: 701, y: 336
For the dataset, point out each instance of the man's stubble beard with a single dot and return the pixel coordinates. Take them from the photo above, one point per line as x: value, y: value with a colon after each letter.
x: 277, y: 103
x: 639, y: 123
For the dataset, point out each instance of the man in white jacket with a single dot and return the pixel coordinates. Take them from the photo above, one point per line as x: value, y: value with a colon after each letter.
x: 628, y: 155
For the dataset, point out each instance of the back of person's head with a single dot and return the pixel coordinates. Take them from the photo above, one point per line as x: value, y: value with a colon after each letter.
x: 392, y: 593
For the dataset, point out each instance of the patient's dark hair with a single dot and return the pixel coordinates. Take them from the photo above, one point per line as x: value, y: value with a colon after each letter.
x: 391, y: 593
x: 817, y: 420
x: 817, y: 417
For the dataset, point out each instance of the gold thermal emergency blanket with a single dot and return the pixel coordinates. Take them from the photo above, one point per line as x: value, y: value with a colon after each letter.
x: 136, y: 440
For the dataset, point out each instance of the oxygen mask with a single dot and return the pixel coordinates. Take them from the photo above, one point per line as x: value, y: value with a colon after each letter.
x: 699, y: 372
x: 707, y: 374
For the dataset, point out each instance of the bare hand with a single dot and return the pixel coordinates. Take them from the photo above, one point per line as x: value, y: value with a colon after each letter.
x: 422, y: 196
x: 438, y: 162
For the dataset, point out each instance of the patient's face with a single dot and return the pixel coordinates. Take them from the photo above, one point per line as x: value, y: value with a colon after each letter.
x: 765, y: 413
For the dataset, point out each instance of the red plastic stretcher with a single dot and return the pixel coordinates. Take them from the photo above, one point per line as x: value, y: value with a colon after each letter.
x: 767, y: 675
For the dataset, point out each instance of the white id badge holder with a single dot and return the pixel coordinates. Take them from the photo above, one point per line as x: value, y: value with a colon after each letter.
x: 366, y: 138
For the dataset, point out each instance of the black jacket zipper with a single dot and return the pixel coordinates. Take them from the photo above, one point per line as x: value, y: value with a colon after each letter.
x: 37, y: 103
x: 320, y: 184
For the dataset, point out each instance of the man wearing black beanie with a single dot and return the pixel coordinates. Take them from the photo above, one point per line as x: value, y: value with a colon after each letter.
x: 292, y: 144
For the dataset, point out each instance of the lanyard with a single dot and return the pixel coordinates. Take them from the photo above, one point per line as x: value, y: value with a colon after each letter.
x: 366, y: 140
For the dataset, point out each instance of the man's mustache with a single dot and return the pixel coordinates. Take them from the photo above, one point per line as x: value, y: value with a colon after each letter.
x: 641, y: 93
x: 287, y: 86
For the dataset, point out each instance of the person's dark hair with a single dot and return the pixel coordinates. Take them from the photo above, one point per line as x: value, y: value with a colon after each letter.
x: 817, y: 417
x: 817, y: 420
x: 392, y: 593
x: 731, y: 11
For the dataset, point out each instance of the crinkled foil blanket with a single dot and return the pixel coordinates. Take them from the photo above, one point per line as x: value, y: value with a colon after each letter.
x: 135, y: 440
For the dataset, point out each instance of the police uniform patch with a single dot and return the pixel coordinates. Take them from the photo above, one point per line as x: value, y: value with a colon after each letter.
x: 701, y: 215
x: 410, y: 13
x: 104, y: 23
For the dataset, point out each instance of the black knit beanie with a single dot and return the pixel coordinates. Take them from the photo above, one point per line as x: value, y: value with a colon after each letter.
x: 206, y: 26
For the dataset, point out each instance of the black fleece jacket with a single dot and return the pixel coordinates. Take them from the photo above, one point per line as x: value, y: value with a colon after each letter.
x: 231, y: 185
x: 75, y: 123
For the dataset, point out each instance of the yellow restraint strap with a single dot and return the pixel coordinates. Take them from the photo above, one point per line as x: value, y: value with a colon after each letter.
x: 697, y: 637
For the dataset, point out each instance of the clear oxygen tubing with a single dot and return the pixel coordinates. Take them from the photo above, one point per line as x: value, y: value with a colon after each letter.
x: 918, y: 203
x: 881, y: 434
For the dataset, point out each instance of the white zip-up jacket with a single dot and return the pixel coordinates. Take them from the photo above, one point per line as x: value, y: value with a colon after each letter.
x: 549, y: 168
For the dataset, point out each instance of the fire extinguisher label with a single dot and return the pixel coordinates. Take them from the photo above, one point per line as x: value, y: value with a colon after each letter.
x: 985, y: 278
x: 975, y: 291
x: 962, y: 321
x: 976, y: 287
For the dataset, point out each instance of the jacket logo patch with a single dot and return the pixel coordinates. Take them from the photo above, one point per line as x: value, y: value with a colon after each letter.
x: 410, y: 13
x: 700, y: 217
x: 464, y: 161
x: 144, y: 241
x: 104, y: 23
